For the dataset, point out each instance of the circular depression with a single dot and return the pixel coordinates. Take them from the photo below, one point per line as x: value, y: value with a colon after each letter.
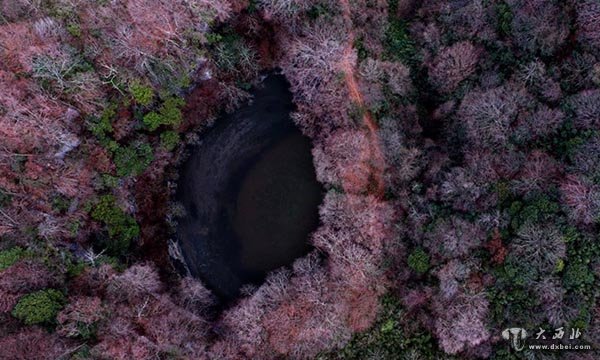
x: 250, y: 193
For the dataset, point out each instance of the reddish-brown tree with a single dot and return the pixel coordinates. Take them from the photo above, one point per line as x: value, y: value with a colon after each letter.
x: 582, y: 199
x: 452, y: 65
x: 538, y: 25
x: 586, y: 105
x: 461, y: 322
x: 34, y: 343
x: 342, y: 159
x: 588, y: 13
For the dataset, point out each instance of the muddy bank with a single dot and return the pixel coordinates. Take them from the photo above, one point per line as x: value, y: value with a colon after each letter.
x: 250, y: 194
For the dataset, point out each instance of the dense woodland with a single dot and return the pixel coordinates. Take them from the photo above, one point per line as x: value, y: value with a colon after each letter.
x: 458, y: 141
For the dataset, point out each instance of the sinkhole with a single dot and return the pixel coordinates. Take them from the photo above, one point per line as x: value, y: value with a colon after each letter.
x: 250, y: 193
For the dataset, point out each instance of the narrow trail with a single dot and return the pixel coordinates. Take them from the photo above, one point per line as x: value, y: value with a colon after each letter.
x: 348, y: 66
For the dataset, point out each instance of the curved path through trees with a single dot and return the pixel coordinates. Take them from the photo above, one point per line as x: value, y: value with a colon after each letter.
x: 348, y: 66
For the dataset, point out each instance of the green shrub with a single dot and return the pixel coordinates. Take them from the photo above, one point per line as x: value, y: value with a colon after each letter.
x: 418, y: 261
x: 73, y: 266
x: 516, y: 273
x: 153, y: 120
x: 87, y: 331
x: 18, y: 163
x: 512, y: 303
x: 511, y: 298
x: 578, y: 275
x: 5, y: 198
x: 74, y: 227
x: 503, y: 55
x: 232, y: 54
x: 319, y: 11
x: 361, y: 50
x: 171, y: 110
x: 168, y: 114
x: 10, y: 256
x: 538, y: 209
x: 121, y: 227
x: 357, y: 112
x: 560, y: 266
x: 83, y: 353
x: 399, y: 45
x: 169, y: 140
x: 74, y: 29
x: 142, y: 94
x: 40, y: 307
x: 213, y: 38
x: 564, y: 144
x: 60, y: 203
x: 502, y: 189
x: 103, y: 125
x: 582, y: 252
x: 114, y: 262
x: 133, y: 159
x: 504, y: 14
x: 110, y: 181
x: 110, y: 145
x: 388, y: 338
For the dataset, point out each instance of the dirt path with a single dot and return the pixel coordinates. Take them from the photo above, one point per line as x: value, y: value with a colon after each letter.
x: 377, y: 159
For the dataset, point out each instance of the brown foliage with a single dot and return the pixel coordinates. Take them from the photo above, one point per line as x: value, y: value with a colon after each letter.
x: 312, y: 65
x: 544, y: 122
x: 538, y: 25
x: 135, y: 284
x: 538, y: 173
x: 496, y: 248
x: 194, y: 296
x: 586, y: 105
x: 461, y: 322
x: 80, y: 311
x: 452, y: 65
x: 403, y: 160
x: 313, y: 315
x: 467, y: 19
x: 342, y: 159
x: 19, y: 279
x: 487, y: 115
x: 32, y: 343
x: 454, y: 237
x: 582, y: 199
x: 93, y: 281
x: 588, y: 15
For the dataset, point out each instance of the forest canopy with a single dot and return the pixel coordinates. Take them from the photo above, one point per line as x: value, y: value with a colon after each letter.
x: 458, y: 143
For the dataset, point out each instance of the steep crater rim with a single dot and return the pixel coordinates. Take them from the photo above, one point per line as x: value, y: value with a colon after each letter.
x: 250, y: 194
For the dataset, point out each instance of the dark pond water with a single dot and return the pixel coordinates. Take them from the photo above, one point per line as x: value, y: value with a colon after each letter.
x: 250, y: 193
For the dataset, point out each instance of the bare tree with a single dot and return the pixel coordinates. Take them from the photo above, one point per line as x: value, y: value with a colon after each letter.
x: 586, y: 106
x: 582, y: 199
x: 541, y: 246
x: 538, y: 26
x: 488, y: 115
x: 461, y: 322
x: 588, y: 19
x: 452, y: 65
x: 538, y: 173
